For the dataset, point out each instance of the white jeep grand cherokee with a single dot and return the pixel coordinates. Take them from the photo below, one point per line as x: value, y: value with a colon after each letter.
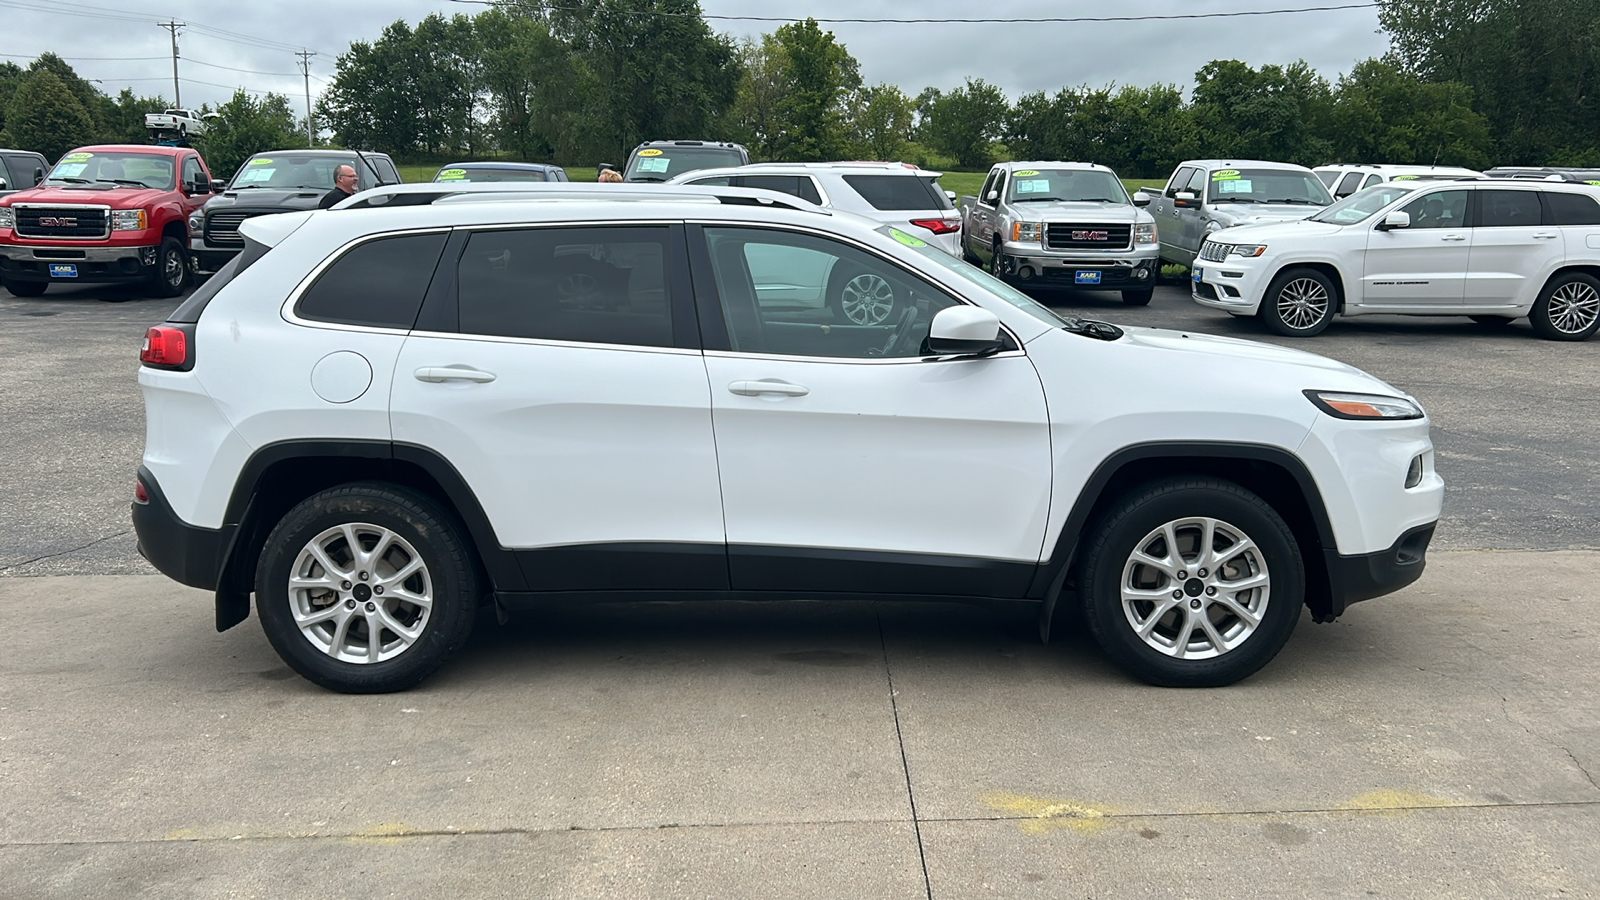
x: 382, y: 418
x: 1491, y: 250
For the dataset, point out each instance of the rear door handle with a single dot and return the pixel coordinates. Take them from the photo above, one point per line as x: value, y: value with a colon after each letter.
x: 439, y: 374
x: 757, y: 388
x: 1545, y: 235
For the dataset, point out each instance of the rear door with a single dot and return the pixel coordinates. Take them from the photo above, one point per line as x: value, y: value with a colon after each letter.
x: 1512, y: 248
x: 559, y: 373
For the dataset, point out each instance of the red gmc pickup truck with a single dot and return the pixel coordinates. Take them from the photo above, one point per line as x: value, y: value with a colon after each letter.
x: 112, y: 213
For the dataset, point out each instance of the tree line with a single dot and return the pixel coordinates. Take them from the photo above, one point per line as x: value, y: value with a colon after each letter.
x: 1466, y: 82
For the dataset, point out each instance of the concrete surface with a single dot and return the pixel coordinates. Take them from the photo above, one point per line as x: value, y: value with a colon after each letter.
x: 1441, y: 742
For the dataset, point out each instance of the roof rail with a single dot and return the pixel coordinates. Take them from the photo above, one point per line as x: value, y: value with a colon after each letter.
x: 393, y: 195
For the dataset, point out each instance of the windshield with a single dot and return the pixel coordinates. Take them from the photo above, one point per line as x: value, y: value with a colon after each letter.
x: 1079, y: 185
x: 290, y: 172
x: 1361, y: 205
x: 1266, y: 186
x: 484, y: 174
x: 977, y: 276
x: 126, y: 169
x: 661, y: 163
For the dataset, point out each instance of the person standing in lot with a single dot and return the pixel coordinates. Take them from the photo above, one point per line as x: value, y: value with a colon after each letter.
x: 610, y: 176
x: 344, y: 185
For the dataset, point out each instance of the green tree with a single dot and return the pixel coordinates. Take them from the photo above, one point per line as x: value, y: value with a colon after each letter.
x: 248, y: 126
x: 966, y: 122
x: 44, y: 116
x: 755, y: 118
x: 531, y: 83
x: 1276, y: 113
x: 1382, y: 114
x: 123, y: 122
x: 10, y: 78
x: 819, y: 77
x: 93, y: 101
x: 372, y: 101
x: 880, y: 120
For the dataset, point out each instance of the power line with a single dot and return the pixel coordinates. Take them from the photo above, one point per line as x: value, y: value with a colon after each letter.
x: 1028, y: 20
x: 88, y: 58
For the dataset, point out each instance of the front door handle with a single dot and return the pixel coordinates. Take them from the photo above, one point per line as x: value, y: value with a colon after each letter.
x: 440, y: 374
x: 1453, y: 237
x: 1545, y: 235
x: 757, y: 388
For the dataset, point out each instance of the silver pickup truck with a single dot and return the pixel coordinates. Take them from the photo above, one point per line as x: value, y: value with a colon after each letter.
x: 1206, y: 195
x: 1062, y: 223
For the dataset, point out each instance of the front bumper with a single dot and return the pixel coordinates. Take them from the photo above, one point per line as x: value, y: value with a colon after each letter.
x: 1352, y: 579
x: 185, y: 553
x: 1126, y: 270
x: 92, y: 264
x: 1234, y: 285
x: 206, y: 259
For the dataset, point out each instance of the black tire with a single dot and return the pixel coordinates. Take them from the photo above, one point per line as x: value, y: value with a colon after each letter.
x: 968, y: 256
x: 1132, y: 523
x: 995, y: 258
x: 859, y: 297
x: 1568, y: 309
x: 170, y: 275
x: 420, y: 530
x: 1138, y: 297
x: 1492, y: 321
x: 1300, y: 302
x: 27, y: 288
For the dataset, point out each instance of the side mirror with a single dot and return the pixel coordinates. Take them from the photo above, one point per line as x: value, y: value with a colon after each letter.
x: 964, y: 331
x: 218, y: 187
x: 992, y: 196
x: 38, y: 176
x: 1140, y: 198
x: 1396, y: 220
x: 1185, y: 199
x: 200, y: 185
x: 950, y: 195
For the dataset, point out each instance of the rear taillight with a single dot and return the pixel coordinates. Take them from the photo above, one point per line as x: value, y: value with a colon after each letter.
x: 140, y: 495
x: 165, y: 347
x: 938, y: 226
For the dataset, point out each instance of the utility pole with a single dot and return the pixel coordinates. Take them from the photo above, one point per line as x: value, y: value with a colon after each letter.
x: 305, y: 69
x: 173, y: 26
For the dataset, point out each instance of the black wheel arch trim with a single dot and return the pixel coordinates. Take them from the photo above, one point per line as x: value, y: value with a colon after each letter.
x: 1053, y: 572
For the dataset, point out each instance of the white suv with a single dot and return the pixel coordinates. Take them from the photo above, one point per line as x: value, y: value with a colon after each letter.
x: 1344, y: 179
x: 382, y: 418
x: 1492, y: 250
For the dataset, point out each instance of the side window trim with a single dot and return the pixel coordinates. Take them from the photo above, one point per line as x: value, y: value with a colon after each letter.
x: 983, y: 192
x: 1179, y: 179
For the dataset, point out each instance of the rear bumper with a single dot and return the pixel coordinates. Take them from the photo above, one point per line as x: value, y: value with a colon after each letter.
x: 1352, y: 579
x: 93, y: 264
x: 185, y: 553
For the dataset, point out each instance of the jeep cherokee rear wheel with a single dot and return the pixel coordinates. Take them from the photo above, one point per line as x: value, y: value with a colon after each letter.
x: 1192, y: 582
x: 366, y: 588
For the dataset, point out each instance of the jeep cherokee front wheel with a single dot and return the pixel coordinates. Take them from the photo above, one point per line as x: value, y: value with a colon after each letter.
x: 366, y: 588
x: 1192, y: 582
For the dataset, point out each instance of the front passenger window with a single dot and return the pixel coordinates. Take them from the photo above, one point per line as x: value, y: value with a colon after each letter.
x: 1441, y: 209
x: 796, y: 294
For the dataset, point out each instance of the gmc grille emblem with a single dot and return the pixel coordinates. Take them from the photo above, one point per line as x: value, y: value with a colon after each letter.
x: 57, y: 222
x: 1091, y: 235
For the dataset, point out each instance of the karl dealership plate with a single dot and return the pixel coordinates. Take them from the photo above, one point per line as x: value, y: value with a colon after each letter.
x: 1087, y: 276
x: 63, y: 270
x: 1196, y: 275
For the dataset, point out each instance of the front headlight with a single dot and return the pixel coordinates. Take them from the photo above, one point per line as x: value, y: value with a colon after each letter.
x: 128, y: 220
x: 5, y: 217
x: 1341, y: 405
x: 1027, y: 231
x: 1248, y: 251
x: 1144, y: 234
x: 197, y: 222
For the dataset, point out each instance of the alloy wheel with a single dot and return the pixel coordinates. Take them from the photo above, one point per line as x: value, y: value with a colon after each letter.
x: 1302, y: 303
x: 360, y: 593
x: 1195, y: 588
x: 1573, y: 307
x: 866, y: 299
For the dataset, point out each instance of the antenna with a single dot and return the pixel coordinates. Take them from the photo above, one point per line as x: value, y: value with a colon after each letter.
x: 173, y: 26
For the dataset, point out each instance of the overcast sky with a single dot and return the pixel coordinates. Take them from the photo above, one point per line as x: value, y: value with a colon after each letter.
x: 120, y: 44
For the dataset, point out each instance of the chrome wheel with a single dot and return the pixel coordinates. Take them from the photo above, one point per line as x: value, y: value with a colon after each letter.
x: 1195, y: 588
x: 360, y: 593
x: 172, y: 269
x: 1302, y: 303
x: 866, y: 299
x: 1573, y: 307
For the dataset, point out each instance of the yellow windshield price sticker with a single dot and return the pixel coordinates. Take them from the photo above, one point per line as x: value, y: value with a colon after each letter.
x: 1224, y: 174
x: 452, y: 175
x: 76, y: 157
x: 1405, y: 178
x: 649, y: 152
x: 1026, y: 173
x: 259, y: 162
x: 1592, y: 182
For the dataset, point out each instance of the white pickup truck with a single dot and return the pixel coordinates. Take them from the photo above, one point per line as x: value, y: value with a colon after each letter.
x: 180, y: 123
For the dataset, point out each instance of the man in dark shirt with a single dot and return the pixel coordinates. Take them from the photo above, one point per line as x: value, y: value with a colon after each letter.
x: 344, y: 184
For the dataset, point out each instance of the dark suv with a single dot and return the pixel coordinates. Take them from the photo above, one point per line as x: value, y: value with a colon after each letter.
x: 273, y: 182
x: 20, y: 170
x: 660, y: 160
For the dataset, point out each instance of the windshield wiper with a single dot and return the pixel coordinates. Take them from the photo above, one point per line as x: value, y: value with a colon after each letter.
x: 645, y: 178
x: 1296, y: 200
x: 1236, y: 200
x: 127, y: 181
x: 70, y: 180
x: 1037, y: 199
x: 1093, y: 328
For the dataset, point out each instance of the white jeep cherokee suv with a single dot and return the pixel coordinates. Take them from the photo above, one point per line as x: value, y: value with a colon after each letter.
x: 381, y: 418
x: 1491, y: 250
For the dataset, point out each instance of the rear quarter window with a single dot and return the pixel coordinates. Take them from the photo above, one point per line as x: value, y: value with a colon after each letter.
x: 896, y: 192
x: 378, y: 283
x: 1570, y: 209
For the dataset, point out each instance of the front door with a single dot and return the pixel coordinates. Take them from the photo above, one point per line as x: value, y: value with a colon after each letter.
x: 1423, y: 264
x: 565, y: 385
x: 848, y: 461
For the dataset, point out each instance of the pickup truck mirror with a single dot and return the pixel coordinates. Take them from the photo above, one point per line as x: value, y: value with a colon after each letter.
x: 964, y: 331
x: 1140, y: 198
x: 3, y: 185
x: 1185, y: 199
x: 1395, y: 220
x: 200, y: 185
x: 950, y: 195
x: 992, y: 196
x: 38, y: 176
x: 218, y: 187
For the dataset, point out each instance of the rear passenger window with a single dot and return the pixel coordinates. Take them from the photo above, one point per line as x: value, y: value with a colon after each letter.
x: 1570, y: 209
x: 892, y: 192
x: 1372, y: 180
x: 1504, y: 209
x: 1328, y: 178
x: 593, y: 285
x: 379, y: 283
x: 793, y: 185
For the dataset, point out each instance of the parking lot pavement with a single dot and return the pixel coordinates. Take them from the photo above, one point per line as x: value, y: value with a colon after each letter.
x: 1442, y: 742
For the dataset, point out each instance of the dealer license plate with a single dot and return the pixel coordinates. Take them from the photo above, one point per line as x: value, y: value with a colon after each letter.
x: 1195, y: 276
x: 1087, y: 276
x: 63, y: 270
